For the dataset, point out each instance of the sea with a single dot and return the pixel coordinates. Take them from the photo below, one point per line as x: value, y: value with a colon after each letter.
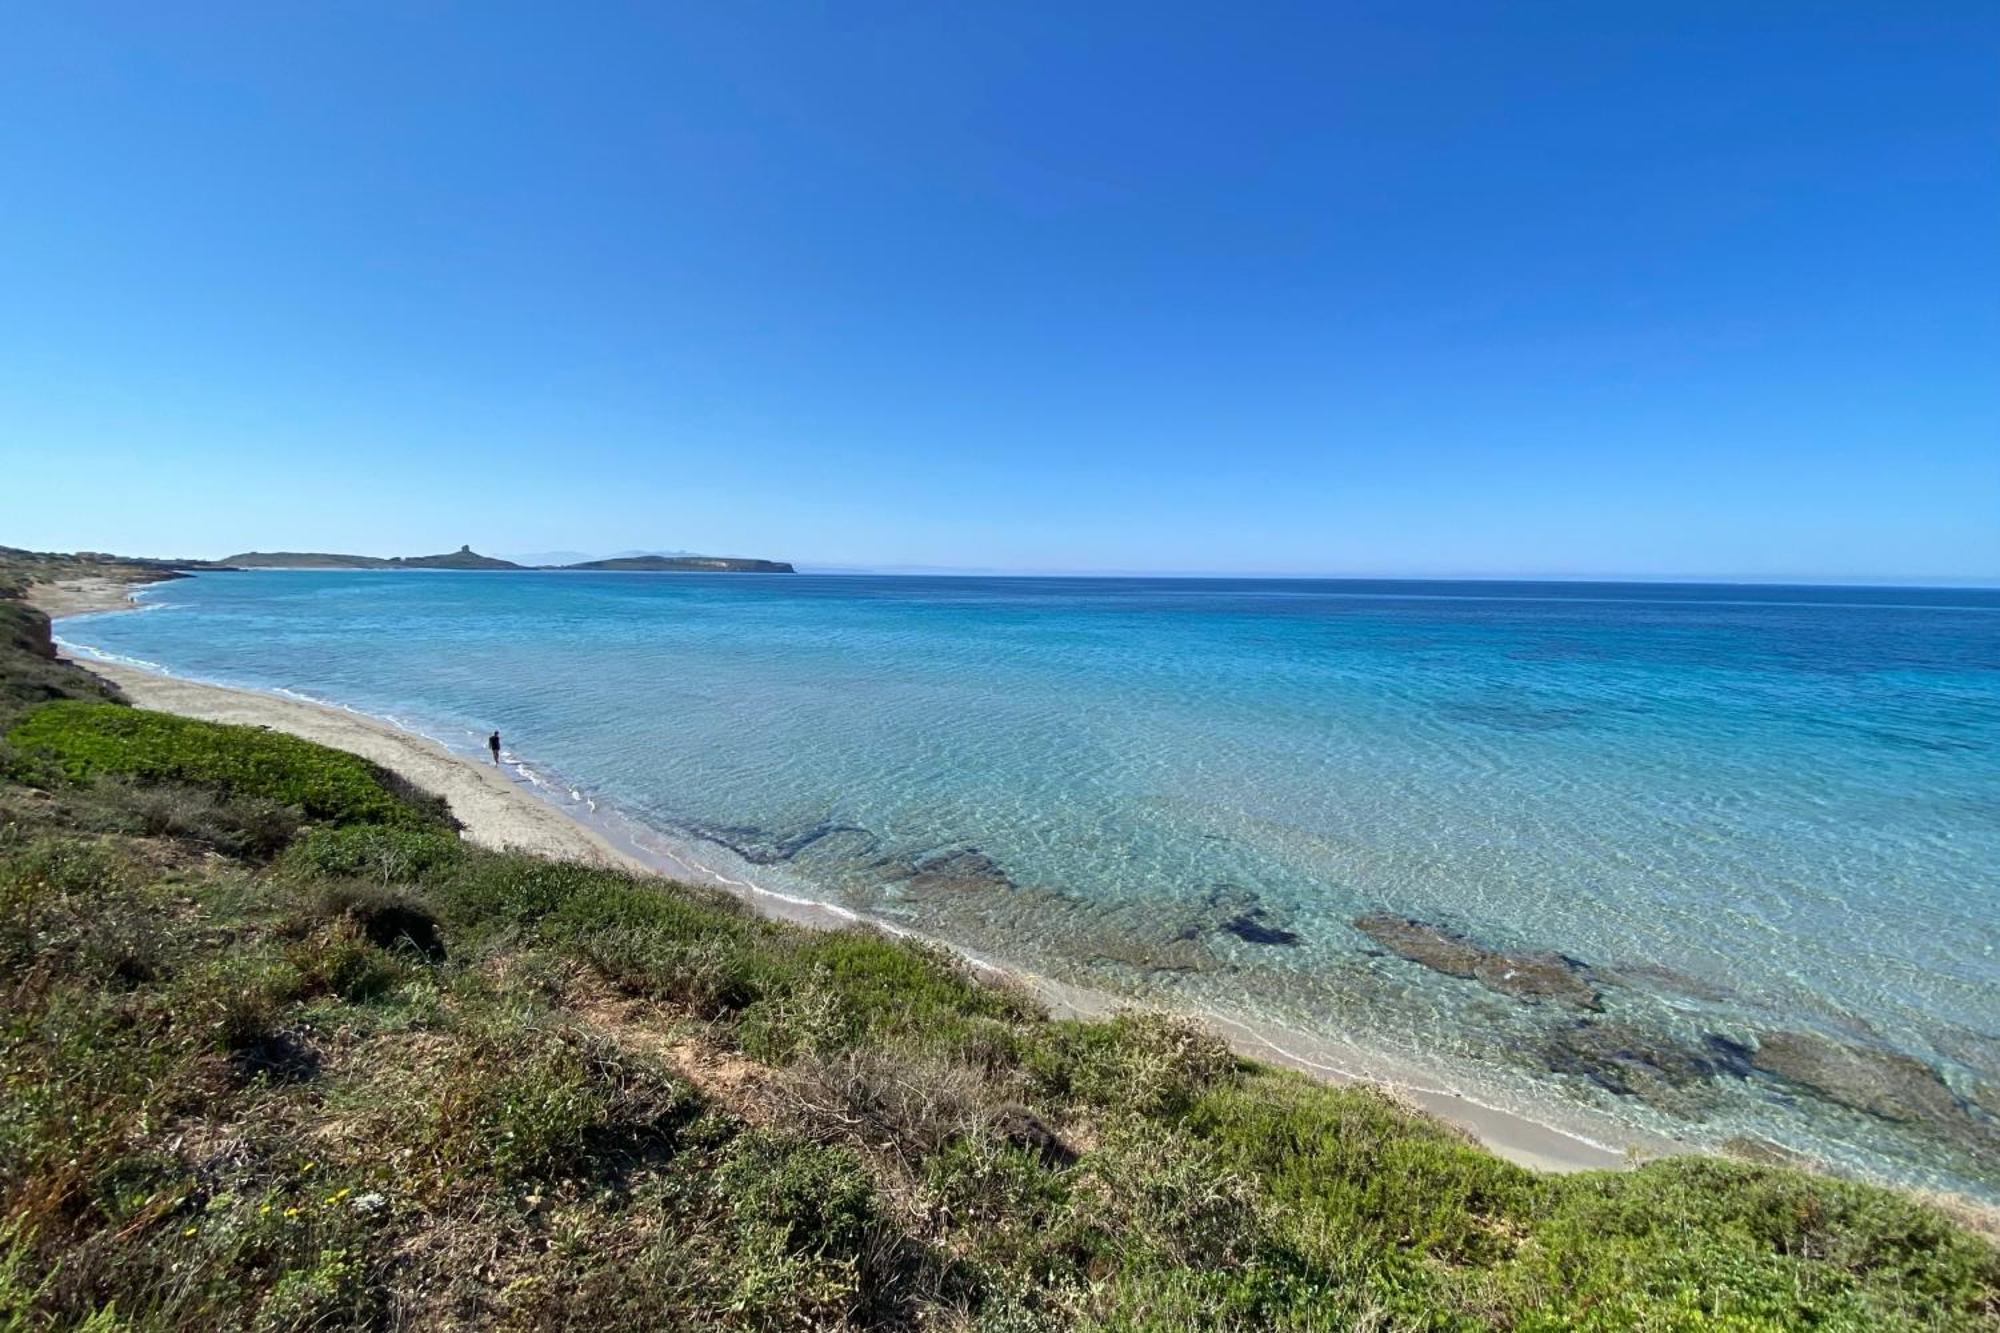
x: 1703, y: 865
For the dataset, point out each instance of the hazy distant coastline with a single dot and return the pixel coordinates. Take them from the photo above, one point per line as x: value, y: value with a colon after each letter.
x: 467, y: 558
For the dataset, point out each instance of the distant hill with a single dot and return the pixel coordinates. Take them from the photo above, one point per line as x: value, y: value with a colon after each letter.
x: 300, y: 560
x: 463, y: 558
x: 467, y: 558
x: 688, y: 564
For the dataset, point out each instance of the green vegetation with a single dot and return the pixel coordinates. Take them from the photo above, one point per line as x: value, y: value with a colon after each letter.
x: 89, y: 740
x: 278, y: 1050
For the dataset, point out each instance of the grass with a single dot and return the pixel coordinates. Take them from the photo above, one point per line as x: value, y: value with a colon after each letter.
x: 278, y: 1051
x: 80, y: 741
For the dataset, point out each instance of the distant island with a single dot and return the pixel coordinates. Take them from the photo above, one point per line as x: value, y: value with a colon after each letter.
x: 467, y: 558
x: 712, y: 563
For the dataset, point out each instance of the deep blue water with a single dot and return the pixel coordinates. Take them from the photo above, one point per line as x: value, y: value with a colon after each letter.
x: 1746, y: 809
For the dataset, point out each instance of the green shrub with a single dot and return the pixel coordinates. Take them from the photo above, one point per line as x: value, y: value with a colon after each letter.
x: 340, y: 959
x: 809, y: 1234
x: 388, y: 918
x: 1138, y: 1063
x: 248, y: 827
x: 816, y: 1199
x: 91, y: 740
x: 383, y: 854
x: 1351, y: 1165
x: 843, y: 987
x: 508, y: 891
x: 711, y: 977
x: 73, y: 906
x: 535, y: 1101
x: 237, y: 1001
x: 1687, y: 1240
x: 1165, y: 1198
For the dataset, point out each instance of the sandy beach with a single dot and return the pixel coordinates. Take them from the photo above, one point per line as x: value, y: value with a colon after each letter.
x: 501, y: 809
x: 73, y: 597
x: 487, y: 799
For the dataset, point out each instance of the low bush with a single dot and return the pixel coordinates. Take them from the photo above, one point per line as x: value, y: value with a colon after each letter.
x: 506, y: 892
x: 388, y: 918
x: 1139, y: 1063
x: 809, y: 1229
x: 384, y: 855
x: 538, y: 1101
x: 877, y: 1099
x: 1697, y: 1239
x: 76, y: 907
x: 826, y: 990
x: 1349, y: 1163
x: 236, y: 1001
x: 250, y: 827
x: 711, y: 977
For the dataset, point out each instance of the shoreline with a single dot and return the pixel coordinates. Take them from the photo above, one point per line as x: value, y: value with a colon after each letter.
x: 502, y: 807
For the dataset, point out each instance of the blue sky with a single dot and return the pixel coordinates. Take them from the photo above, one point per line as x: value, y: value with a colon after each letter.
x: 1507, y: 288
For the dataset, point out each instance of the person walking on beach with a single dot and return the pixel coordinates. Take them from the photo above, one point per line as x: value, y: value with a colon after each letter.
x: 493, y: 744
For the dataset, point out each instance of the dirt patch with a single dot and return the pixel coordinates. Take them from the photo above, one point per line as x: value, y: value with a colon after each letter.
x: 728, y: 1078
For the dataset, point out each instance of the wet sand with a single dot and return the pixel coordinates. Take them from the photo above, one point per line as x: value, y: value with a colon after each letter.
x: 501, y: 809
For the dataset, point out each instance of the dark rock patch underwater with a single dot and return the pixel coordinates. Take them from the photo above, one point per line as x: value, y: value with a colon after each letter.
x: 1522, y: 976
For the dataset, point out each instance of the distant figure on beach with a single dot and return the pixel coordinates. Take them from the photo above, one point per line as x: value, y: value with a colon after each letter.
x: 493, y: 744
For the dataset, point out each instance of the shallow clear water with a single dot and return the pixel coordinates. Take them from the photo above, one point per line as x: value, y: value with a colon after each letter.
x: 1743, y: 810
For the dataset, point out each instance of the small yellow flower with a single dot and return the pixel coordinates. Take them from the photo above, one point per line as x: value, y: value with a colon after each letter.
x: 307, y: 1168
x: 190, y: 1231
x: 291, y: 1212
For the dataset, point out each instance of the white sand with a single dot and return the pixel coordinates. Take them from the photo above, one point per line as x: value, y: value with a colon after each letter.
x: 72, y: 597
x: 501, y: 810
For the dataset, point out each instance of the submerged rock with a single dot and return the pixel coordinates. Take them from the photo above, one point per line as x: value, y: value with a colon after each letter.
x: 1434, y: 947
x: 1145, y: 957
x: 1524, y: 976
x: 763, y: 847
x: 1232, y: 910
x: 1251, y: 929
x: 957, y: 870
x: 1883, y: 1083
x: 1659, y: 977
x: 1653, y: 1067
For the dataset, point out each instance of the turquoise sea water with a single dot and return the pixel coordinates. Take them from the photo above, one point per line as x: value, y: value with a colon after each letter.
x: 1737, y: 811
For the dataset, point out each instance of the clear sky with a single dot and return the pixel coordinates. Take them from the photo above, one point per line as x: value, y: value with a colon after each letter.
x: 1542, y: 288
